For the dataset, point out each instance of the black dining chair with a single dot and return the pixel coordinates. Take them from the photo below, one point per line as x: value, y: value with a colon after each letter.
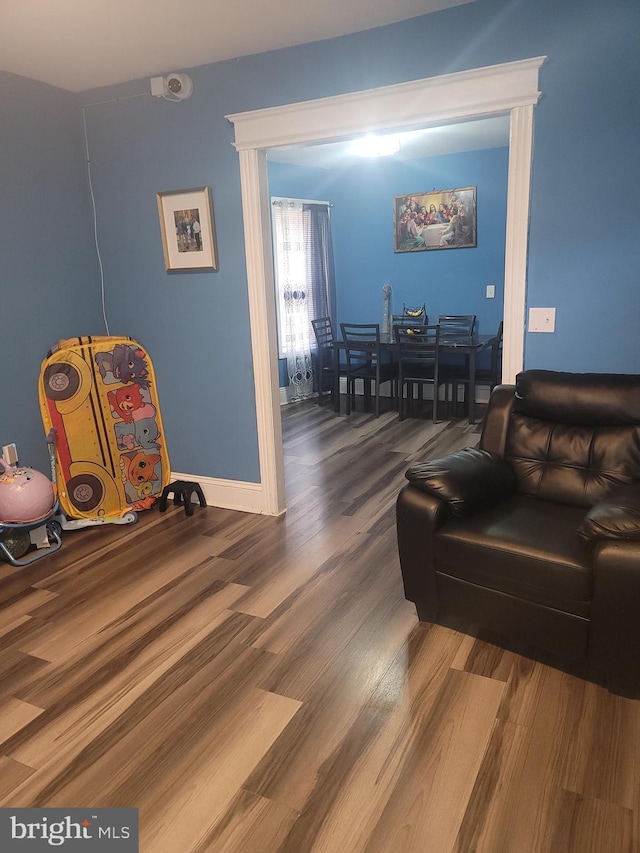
x: 457, y: 324
x: 364, y: 361
x: 414, y: 328
x: 418, y: 361
x: 454, y: 366
x: 490, y: 375
x: 323, y: 330
x: 494, y: 373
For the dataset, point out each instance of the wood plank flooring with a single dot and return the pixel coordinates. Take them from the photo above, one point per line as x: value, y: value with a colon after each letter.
x: 260, y: 685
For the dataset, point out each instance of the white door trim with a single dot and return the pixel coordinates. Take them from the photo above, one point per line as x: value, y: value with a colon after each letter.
x: 511, y: 88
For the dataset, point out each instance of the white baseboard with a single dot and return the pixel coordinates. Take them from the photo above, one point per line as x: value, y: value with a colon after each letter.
x: 482, y: 392
x: 228, y: 494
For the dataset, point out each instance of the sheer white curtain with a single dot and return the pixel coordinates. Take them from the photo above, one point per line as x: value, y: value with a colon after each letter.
x: 293, y: 293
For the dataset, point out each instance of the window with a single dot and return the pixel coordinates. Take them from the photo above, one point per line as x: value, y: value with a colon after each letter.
x: 292, y: 291
x: 305, y: 282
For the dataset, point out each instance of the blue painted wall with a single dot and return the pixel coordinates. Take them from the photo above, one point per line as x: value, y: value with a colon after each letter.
x: 583, y: 251
x: 448, y: 281
x: 48, y: 271
x: 195, y: 324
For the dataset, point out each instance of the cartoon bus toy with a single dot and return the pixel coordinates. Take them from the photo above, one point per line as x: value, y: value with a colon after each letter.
x: 99, y: 395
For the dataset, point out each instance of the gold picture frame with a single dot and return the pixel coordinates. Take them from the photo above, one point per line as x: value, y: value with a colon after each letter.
x: 186, y: 227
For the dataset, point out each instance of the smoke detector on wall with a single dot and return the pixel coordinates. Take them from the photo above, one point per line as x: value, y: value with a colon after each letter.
x: 173, y: 87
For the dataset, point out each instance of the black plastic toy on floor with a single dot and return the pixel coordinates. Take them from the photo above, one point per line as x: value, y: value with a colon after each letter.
x: 182, y: 490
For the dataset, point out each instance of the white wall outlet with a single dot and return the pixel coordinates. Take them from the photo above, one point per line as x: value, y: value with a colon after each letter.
x: 491, y: 291
x: 542, y: 319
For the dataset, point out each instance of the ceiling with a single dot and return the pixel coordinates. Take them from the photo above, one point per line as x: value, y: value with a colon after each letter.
x: 82, y: 44
x: 429, y: 142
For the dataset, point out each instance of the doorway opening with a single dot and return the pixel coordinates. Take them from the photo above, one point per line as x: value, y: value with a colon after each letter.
x: 510, y: 88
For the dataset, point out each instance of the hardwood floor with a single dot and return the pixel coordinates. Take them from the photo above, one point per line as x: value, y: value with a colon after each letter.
x: 260, y: 684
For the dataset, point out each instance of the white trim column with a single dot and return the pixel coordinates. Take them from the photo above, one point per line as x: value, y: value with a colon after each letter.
x: 262, y: 314
x: 516, y: 246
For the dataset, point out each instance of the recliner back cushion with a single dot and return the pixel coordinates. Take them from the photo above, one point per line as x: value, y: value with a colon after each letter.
x: 587, y: 399
x: 572, y: 438
x: 571, y: 464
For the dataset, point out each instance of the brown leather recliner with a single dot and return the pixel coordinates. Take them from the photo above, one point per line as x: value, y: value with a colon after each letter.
x: 533, y: 539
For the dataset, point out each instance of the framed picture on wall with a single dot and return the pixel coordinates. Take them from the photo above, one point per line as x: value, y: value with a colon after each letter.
x: 186, y: 227
x: 439, y: 219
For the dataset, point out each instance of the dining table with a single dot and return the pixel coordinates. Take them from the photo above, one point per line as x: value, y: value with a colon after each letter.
x: 450, y: 342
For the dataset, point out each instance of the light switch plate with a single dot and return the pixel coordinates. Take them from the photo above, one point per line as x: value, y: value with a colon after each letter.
x: 491, y: 291
x: 542, y: 319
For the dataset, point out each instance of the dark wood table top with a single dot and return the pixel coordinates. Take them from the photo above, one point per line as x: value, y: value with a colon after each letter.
x: 449, y: 341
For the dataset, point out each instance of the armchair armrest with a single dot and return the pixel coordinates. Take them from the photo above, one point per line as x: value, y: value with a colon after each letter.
x: 467, y: 480
x: 612, y: 526
x: 418, y: 516
x: 615, y: 517
x: 614, y: 639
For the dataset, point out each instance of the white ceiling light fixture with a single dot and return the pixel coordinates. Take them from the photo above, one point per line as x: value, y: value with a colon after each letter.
x: 373, y: 145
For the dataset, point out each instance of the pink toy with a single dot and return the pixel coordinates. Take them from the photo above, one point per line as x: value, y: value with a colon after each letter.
x: 25, y: 495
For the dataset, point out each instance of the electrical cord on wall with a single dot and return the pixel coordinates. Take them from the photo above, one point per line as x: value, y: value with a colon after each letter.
x: 95, y: 222
x: 93, y: 200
